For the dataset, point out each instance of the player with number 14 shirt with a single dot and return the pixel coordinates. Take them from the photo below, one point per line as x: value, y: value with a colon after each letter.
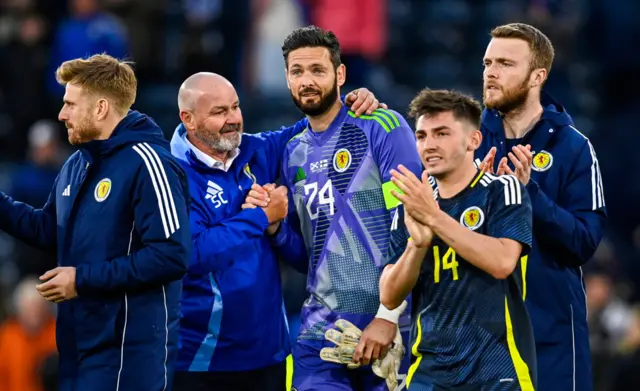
x: 457, y: 243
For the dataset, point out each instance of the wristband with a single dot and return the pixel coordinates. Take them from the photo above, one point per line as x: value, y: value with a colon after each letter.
x: 391, y: 315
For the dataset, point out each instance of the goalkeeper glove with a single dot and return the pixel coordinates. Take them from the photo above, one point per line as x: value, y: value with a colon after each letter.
x: 346, y: 341
x: 388, y: 365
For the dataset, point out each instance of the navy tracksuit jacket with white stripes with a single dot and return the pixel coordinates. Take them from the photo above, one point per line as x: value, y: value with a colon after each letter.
x: 569, y: 217
x: 118, y: 213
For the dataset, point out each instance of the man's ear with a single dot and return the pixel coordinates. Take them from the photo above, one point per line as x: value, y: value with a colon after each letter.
x: 475, y: 140
x: 102, y: 109
x: 187, y: 119
x: 341, y: 75
x: 538, y: 77
x: 286, y: 77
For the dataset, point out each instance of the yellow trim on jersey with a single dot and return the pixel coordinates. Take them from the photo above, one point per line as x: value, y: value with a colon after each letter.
x: 298, y: 135
x: 289, y: 365
x: 385, y: 118
x: 378, y: 119
x: 392, y: 115
x: 475, y: 181
x: 523, y: 268
x: 521, y: 367
x: 390, y: 201
x: 416, y: 353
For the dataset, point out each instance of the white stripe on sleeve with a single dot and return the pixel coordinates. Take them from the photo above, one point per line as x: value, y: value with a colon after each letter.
x: 174, y: 212
x: 512, y: 191
x: 597, y: 190
x: 160, y: 185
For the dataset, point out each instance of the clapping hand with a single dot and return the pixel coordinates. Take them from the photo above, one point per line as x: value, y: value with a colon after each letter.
x: 522, y: 158
x: 415, y: 195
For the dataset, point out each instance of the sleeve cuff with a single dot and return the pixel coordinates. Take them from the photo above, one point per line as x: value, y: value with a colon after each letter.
x: 534, y: 191
x: 280, y: 238
x: 259, y: 216
x: 81, y: 272
x: 532, y: 187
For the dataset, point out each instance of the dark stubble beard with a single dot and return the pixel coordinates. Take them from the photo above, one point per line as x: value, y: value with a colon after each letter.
x: 317, y: 109
x: 511, y: 99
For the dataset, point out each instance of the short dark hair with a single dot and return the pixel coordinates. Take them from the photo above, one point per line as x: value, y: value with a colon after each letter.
x: 309, y: 37
x: 433, y: 102
x: 541, y: 47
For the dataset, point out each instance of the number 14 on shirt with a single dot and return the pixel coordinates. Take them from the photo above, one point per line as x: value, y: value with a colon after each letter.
x: 447, y: 262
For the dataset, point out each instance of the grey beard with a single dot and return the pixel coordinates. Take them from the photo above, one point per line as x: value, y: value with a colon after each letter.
x: 221, y: 144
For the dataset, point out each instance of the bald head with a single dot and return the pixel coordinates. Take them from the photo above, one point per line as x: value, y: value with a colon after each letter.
x: 210, y: 112
x: 199, y: 84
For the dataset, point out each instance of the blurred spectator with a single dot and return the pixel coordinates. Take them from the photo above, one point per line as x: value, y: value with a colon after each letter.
x: 361, y: 27
x: 625, y: 368
x: 88, y: 30
x: 609, y: 319
x: 275, y: 19
x: 144, y: 20
x: 32, y: 182
x: 216, y: 38
x: 23, y: 57
x: 26, y: 340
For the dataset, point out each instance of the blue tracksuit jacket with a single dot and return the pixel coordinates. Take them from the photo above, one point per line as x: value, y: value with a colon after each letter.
x: 118, y: 214
x: 233, y: 316
x: 569, y: 218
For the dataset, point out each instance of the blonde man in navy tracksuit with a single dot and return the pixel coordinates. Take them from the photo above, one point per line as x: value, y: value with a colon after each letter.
x: 117, y: 217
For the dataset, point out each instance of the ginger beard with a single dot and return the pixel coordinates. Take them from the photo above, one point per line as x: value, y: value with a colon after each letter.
x: 83, y: 131
x: 510, y: 99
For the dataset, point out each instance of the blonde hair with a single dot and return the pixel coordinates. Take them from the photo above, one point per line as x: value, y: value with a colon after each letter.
x: 102, y: 75
x: 541, y: 47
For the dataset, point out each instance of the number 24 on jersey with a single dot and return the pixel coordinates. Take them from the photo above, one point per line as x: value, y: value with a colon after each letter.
x: 324, y: 195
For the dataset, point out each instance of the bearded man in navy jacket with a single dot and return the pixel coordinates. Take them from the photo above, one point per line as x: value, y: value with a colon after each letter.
x: 117, y: 218
x: 532, y: 136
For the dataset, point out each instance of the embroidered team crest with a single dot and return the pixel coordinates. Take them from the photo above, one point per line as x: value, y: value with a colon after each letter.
x: 103, y: 188
x: 247, y: 172
x: 542, y: 161
x: 342, y: 160
x: 472, y: 218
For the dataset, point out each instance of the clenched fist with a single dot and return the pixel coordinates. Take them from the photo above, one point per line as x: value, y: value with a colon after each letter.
x: 278, y: 205
x: 272, y: 200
